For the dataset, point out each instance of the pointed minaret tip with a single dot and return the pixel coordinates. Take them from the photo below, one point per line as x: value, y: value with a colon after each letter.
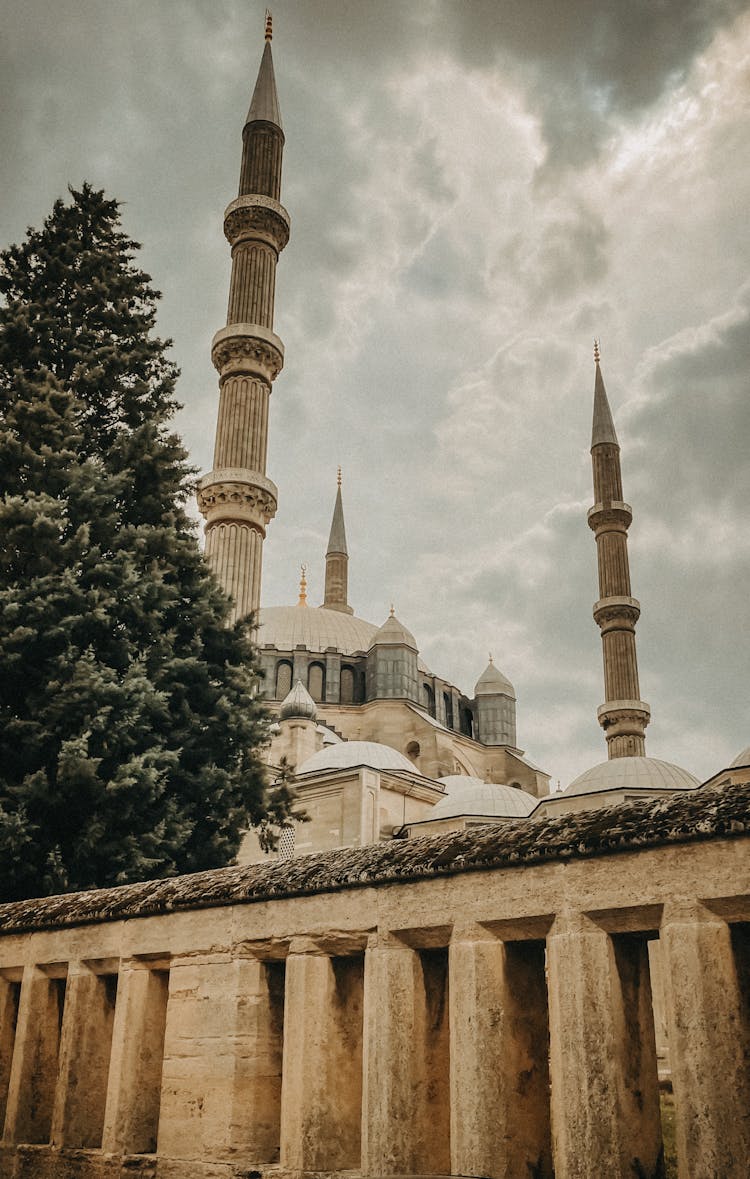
x: 337, y: 537
x: 603, y: 427
x: 264, y: 106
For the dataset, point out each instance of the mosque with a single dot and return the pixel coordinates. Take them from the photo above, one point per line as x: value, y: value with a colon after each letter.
x: 381, y: 746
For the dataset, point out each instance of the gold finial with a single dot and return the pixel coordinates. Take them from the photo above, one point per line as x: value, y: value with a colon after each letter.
x: 303, y: 586
x: 596, y: 351
x: 269, y: 25
x: 338, y: 477
x: 393, y: 612
x: 491, y: 659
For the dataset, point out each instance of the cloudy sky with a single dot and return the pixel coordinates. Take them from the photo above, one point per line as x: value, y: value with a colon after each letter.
x: 477, y: 189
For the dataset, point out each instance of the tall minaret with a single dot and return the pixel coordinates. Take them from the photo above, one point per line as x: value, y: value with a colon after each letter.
x: 236, y: 498
x: 624, y: 716
x: 337, y: 560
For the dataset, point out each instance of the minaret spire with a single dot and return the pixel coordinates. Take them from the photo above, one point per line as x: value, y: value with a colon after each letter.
x: 624, y: 716
x: 337, y: 559
x: 236, y: 497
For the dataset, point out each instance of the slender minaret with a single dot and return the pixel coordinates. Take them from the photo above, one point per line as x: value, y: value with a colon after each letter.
x: 337, y: 560
x: 236, y: 498
x: 624, y: 716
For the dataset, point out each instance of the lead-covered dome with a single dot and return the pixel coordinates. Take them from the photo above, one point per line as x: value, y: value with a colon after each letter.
x: 347, y: 754
x: 299, y: 703
x: 491, y: 800
x: 632, y: 773
x: 492, y: 682
x: 394, y: 632
x: 286, y: 627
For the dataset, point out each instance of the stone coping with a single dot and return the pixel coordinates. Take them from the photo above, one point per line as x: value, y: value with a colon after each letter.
x: 701, y: 814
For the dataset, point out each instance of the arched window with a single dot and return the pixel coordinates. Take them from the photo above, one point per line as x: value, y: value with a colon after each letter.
x: 448, y: 706
x: 413, y: 750
x: 429, y: 699
x: 316, y: 681
x: 283, y: 679
x: 347, y: 685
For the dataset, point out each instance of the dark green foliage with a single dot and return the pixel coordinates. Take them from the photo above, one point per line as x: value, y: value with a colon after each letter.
x: 129, y: 721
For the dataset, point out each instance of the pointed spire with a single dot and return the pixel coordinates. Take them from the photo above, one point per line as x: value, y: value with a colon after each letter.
x: 303, y: 586
x: 603, y: 428
x: 337, y: 538
x: 265, y: 101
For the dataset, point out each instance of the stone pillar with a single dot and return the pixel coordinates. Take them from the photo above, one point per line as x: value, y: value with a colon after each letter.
x: 85, y: 1046
x: 605, y: 1113
x: 35, y: 1058
x: 222, y: 1061
x: 499, y: 1043
x: 10, y: 989
x: 131, y: 1119
x: 321, y: 1107
x: 405, y: 1121
x: 708, y: 1043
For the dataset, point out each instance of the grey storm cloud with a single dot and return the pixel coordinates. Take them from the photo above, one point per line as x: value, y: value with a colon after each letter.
x: 476, y: 190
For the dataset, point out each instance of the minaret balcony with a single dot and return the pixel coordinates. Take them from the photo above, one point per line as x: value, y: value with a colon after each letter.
x: 623, y: 717
x: 239, y: 496
x: 616, y: 613
x: 254, y: 217
x: 614, y: 516
x: 247, y: 349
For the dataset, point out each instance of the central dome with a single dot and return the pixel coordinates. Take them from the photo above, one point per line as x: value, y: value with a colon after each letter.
x: 287, y: 627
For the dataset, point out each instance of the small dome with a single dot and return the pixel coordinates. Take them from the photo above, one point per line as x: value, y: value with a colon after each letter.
x: 393, y: 632
x: 632, y: 773
x: 356, y: 753
x: 742, y: 759
x: 472, y: 796
x: 493, y: 683
x: 299, y: 703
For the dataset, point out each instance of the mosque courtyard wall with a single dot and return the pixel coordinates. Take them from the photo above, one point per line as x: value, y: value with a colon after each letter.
x: 476, y: 1003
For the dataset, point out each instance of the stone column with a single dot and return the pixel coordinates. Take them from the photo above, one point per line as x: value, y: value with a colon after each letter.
x: 256, y: 1108
x: 131, y: 1119
x: 602, y: 1055
x: 85, y: 1046
x: 9, y: 997
x: 404, y: 1120
x: 708, y: 1043
x: 499, y: 1043
x: 322, y: 1081
x: 35, y: 1058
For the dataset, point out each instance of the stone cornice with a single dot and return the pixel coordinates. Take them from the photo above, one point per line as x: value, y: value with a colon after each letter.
x: 687, y: 817
x: 247, y: 349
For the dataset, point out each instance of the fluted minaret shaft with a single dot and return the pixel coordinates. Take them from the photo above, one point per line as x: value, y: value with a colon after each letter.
x: 236, y: 498
x: 623, y: 716
x: 337, y: 561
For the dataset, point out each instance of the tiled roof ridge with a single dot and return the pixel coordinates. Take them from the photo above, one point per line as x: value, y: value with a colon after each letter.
x: 720, y: 812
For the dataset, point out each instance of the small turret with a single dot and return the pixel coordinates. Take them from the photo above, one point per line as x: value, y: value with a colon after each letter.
x: 337, y: 560
x: 495, y: 708
x: 298, y: 716
x: 392, y: 669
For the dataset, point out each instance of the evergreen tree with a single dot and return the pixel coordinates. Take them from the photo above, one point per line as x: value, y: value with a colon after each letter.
x: 129, y: 718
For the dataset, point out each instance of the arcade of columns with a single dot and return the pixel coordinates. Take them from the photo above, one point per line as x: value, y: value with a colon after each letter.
x: 477, y: 1004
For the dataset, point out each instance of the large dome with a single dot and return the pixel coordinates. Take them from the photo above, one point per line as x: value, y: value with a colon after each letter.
x: 472, y: 796
x: 633, y: 773
x: 286, y: 627
x: 356, y: 753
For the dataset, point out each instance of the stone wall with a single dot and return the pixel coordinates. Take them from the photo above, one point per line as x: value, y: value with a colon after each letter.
x: 474, y: 1004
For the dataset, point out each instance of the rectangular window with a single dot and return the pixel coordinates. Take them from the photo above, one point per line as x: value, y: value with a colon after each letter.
x: 86, y: 1069
x: 144, y: 1123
